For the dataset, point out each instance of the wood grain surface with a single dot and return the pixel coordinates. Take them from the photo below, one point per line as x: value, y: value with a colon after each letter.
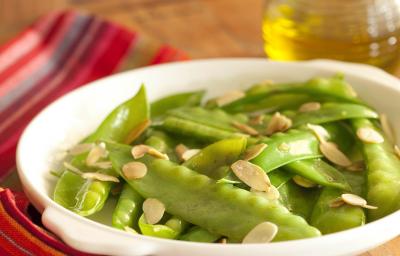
x: 202, y: 28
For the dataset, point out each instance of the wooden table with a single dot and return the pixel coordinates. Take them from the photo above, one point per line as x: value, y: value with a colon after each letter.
x: 202, y: 28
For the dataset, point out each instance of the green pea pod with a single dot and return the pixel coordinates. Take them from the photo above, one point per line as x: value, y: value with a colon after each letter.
x: 87, y: 196
x: 383, y: 174
x: 177, y: 224
x: 163, y: 143
x: 334, y: 219
x: 279, y: 177
x: 341, y: 134
x: 284, y: 148
x: 216, y: 155
x: 332, y: 111
x: 216, y: 118
x: 298, y: 200
x: 201, y: 132
x: 334, y: 88
x: 127, y: 210
x: 357, y: 181
x: 319, y: 172
x: 193, y: 197
x: 198, y: 234
x: 187, y: 99
x: 157, y: 230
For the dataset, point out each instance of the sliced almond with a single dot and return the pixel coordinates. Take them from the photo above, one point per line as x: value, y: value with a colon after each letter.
x: 245, y: 128
x: 254, y: 151
x: 303, y: 182
x: 130, y: 230
x: 80, y: 149
x: 153, y: 210
x: 271, y: 194
x: 310, y: 106
x: 356, y: 200
x: 333, y: 154
x: 180, y: 149
x: 257, y: 120
x: 336, y: 203
x: 356, y: 166
x: 139, y: 130
x: 387, y: 127
x: 134, y: 170
x: 189, y: 154
x: 72, y: 168
x: 320, y: 132
x: 139, y: 151
x: 397, y: 151
x: 97, y: 152
x: 103, y: 165
x: 262, y: 233
x: 229, y: 97
x: 278, y: 123
x: 369, y: 135
x: 99, y: 176
x: 157, y: 154
x: 252, y: 175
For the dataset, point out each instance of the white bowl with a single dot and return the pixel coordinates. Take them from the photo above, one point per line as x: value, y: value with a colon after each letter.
x: 75, y: 115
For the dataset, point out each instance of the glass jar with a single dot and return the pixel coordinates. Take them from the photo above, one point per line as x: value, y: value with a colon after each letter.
x: 365, y: 31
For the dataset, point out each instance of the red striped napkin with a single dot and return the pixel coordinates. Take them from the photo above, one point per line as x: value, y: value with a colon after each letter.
x: 58, y: 53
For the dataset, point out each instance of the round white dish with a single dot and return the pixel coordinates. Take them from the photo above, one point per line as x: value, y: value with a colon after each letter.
x: 66, y: 121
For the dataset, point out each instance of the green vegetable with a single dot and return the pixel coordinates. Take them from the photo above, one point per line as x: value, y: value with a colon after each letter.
x: 383, y: 174
x: 126, y: 213
x: 198, y: 234
x: 194, y: 197
x: 157, y: 230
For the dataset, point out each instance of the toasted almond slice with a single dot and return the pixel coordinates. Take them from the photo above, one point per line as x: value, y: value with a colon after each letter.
x: 189, y: 154
x: 130, y: 230
x: 157, y: 154
x: 369, y: 135
x: 397, y: 151
x: 262, y: 233
x: 139, y: 130
x: 254, y: 151
x: 180, y: 149
x: 271, y: 194
x: 284, y: 147
x: 278, y: 123
x: 134, y: 170
x: 336, y: 203
x: 310, y: 106
x: 72, y: 168
x: 103, y: 165
x: 355, y: 200
x: 303, y: 182
x: 153, y: 210
x: 252, y: 175
x: 333, y: 154
x: 139, y: 151
x: 257, y: 120
x: 97, y: 152
x: 229, y: 97
x: 387, y: 127
x: 99, y: 176
x: 356, y: 166
x: 245, y: 128
x: 80, y: 149
x: 320, y: 132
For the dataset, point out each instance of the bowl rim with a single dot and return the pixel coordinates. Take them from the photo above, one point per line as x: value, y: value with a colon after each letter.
x: 46, y: 201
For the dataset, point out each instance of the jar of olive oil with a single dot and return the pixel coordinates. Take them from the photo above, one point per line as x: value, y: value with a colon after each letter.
x: 365, y: 31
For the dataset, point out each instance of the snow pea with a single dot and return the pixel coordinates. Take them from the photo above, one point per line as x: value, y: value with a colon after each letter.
x: 198, y: 234
x: 187, y: 99
x: 319, y: 172
x: 334, y: 89
x: 163, y: 143
x: 158, y: 230
x: 87, y: 196
x: 383, y: 174
x: 333, y: 219
x: 284, y: 148
x: 332, y: 111
x: 216, y: 118
x: 127, y: 210
x: 216, y: 155
x: 279, y: 177
x: 201, y: 132
x: 194, y: 197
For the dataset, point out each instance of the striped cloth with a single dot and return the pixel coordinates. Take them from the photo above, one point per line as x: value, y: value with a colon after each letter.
x: 58, y: 53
